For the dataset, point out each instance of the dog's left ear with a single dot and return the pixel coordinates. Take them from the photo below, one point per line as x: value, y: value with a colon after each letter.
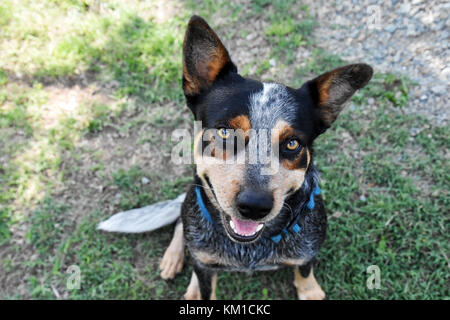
x: 205, y: 58
x: 331, y: 90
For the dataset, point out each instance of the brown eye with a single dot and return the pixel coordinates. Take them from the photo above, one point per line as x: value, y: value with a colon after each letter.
x: 292, y: 145
x: 223, y: 133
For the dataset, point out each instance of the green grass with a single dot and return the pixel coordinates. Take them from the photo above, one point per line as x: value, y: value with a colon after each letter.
x: 398, y: 226
x: 116, y: 45
x: 394, y: 88
x: 287, y: 31
x: 135, y: 195
x: 319, y: 62
x: 5, y: 233
x: 385, y: 175
x: 112, y: 266
x: 65, y: 41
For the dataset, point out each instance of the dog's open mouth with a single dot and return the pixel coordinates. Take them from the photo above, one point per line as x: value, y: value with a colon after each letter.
x: 243, y: 230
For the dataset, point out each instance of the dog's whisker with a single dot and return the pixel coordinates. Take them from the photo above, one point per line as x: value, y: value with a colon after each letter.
x: 285, y: 205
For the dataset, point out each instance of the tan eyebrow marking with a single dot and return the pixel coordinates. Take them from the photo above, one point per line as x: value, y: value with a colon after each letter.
x: 241, y: 122
x: 285, y: 131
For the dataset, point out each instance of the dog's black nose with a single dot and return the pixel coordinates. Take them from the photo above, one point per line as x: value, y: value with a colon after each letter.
x: 254, y: 204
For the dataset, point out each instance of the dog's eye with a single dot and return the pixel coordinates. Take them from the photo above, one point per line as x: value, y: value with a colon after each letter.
x: 292, y: 145
x: 223, y: 133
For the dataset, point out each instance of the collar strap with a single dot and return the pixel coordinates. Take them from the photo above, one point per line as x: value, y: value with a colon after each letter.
x: 202, y: 206
x: 295, y: 228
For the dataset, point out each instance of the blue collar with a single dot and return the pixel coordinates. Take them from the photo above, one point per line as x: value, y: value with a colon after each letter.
x: 202, y: 206
x: 295, y: 228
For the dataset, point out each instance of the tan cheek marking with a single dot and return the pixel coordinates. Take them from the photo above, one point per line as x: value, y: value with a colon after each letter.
x: 284, y: 181
x: 226, y: 179
x: 294, y: 164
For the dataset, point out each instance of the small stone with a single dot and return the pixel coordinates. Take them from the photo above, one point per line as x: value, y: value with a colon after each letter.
x: 272, y: 62
x: 251, y: 36
x: 439, y: 89
x: 117, y: 198
x: 423, y: 97
x: 337, y: 214
x: 390, y: 28
x: 435, y: 193
x: 414, y: 132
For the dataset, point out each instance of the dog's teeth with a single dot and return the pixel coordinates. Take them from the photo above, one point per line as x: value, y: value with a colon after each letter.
x: 232, y: 225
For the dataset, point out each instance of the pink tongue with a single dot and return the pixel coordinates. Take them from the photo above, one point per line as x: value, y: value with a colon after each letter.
x: 245, y: 228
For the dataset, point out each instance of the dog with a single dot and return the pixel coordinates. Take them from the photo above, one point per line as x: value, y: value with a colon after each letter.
x: 235, y: 216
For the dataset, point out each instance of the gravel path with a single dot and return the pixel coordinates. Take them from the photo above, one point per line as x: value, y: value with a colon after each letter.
x: 406, y: 37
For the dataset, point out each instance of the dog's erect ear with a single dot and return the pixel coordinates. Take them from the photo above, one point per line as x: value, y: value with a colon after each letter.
x: 332, y: 89
x: 204, y: 57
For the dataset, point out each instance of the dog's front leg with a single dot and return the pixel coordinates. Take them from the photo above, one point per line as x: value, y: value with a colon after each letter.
x: 306, y: 283
x: 172, y: 261
x: 202, y: 285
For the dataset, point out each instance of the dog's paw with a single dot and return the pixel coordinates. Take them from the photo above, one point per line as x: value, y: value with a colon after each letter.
x: 307, y: 287
x: 312, y: 294
x: 172, y: 262
x: 192, y: 295
x: 193, y: 290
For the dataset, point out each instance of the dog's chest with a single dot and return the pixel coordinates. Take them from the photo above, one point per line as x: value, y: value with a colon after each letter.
x: 247, y: 261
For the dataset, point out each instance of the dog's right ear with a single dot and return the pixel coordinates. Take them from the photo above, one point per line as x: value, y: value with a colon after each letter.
x: 205, y: 58
x: 331, y: 90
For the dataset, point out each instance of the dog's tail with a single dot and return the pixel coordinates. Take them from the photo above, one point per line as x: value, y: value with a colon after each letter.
x: 144, y: 219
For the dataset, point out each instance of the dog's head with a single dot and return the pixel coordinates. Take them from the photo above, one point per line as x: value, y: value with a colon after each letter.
x: 255, y: 144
